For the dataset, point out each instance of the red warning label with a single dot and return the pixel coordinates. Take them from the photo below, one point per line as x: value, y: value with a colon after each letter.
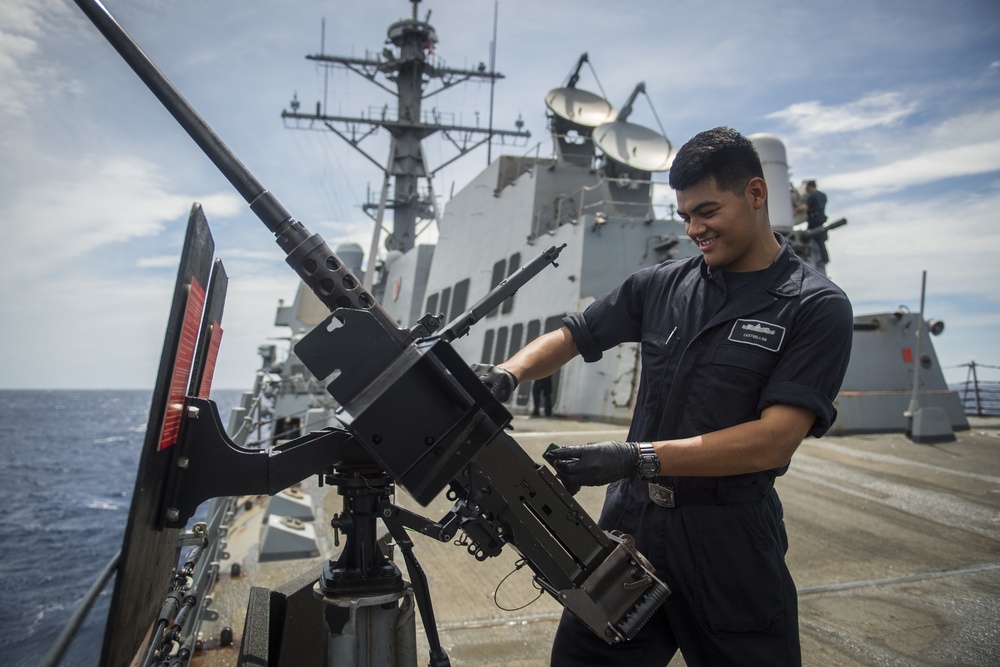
x: 182, y: 365
x: 213, y: 354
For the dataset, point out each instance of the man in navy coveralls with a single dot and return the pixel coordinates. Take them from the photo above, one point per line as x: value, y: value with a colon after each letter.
x: 743, y: 351
x: 815, y: 210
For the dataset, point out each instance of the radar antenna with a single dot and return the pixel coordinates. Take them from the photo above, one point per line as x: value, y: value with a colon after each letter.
x: 575, y: 115
x: 633, y: 146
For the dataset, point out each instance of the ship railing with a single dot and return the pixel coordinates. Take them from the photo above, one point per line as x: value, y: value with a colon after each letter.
x: 629, y: 209
x: 198, y: 567
x: 980, y: 397
x: 253, y: 423
x: 197, y: 552
x: 61, y: 645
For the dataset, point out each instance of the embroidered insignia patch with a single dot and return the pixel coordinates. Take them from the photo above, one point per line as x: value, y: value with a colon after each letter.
x: 756, y: 332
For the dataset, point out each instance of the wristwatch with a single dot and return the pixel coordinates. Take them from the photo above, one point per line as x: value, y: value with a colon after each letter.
x: 649, y: 464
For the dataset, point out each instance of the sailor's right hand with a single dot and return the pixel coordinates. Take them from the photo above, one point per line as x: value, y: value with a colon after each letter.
x: 500, y: 381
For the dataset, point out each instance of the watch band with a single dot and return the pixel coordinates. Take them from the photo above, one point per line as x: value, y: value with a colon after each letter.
x: 649, y: 464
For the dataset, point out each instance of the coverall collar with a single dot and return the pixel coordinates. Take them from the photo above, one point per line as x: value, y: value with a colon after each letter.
x: 783, y: 278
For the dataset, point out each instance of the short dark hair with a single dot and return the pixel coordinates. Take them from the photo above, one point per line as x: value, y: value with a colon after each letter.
x: 810, y: 184
x: 722, y: 153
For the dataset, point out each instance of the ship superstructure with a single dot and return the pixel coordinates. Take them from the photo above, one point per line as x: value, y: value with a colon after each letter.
x: 593, y: 186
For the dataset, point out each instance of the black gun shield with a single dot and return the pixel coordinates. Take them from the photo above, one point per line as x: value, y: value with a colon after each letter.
x: 149, y: 554
x: 200, y: 386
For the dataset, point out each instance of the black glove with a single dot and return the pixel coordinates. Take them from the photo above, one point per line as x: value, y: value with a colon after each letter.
x: 500, y: 381
x: 593, y: 464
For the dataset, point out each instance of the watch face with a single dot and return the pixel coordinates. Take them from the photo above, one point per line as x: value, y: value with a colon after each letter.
x: 649, y: 465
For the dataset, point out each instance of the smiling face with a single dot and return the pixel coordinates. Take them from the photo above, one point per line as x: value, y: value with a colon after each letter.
x: 731, y: 229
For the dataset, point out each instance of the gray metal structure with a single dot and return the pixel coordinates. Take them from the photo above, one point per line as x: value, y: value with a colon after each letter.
x: 410, y: 69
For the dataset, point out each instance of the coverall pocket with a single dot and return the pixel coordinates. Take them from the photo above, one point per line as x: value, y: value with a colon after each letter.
x: 740, y: 569
x: 657, y: 351
x: 735, y: 374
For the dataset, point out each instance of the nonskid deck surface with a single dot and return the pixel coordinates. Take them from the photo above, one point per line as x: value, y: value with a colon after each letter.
x: 895, y: 548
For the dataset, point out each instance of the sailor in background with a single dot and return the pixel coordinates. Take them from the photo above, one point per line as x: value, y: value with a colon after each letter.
x: 541, y: 395
x: 815, y: 210
x: 743, y: 352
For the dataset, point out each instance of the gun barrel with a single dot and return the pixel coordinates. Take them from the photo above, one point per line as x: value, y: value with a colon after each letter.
x: 460, y: 326
x: 822, y: 229
x: 308, y: 254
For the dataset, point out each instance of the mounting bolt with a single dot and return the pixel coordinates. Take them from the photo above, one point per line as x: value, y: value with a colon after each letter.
x: 183, y: 462
x: 192, y: 412
x: 173, y: 514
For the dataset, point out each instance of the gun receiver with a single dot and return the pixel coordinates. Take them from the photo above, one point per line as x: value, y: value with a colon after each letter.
x: 422, y: 415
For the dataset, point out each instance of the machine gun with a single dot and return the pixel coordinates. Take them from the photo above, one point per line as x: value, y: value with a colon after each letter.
x: 414, y: 414
x: 801, y: 240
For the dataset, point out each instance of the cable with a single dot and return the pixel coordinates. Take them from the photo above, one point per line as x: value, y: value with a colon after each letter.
x: 517, y: 566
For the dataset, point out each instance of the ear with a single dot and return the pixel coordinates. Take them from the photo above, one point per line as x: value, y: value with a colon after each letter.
x: 756, y: 192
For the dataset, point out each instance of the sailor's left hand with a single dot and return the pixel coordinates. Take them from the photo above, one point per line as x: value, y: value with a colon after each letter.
x: 593, y: 464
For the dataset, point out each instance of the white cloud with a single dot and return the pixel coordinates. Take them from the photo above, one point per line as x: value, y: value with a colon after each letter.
x: 972, y: 127
x: 25, y: 77
x: 158, y: 262
x: 865, y: 147
x: 879, y: 256
x: 927, y: 167
x: 79, y: 330
x: 94, y: 202
x: 813, y: 119
x: 15, y: 91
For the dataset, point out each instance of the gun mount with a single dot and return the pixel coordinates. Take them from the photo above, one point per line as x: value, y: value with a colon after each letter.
x: 413, y: 413
x: 802, y: 240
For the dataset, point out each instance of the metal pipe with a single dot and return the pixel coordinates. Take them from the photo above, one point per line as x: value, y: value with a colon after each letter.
x: 914, y: 399
x: 69, y: 632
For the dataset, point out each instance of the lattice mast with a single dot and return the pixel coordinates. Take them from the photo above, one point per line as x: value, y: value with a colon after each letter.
x: 412, y: 69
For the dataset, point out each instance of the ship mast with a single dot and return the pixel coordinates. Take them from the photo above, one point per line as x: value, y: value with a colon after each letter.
x: 412, y: 70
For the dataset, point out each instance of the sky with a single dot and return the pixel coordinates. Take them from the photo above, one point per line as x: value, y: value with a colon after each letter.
x: 892, y: 106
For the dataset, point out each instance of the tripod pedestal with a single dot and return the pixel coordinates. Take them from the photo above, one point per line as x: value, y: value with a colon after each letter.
x: 359, y: 612
x: 369, y: 609
x: 372, y: 631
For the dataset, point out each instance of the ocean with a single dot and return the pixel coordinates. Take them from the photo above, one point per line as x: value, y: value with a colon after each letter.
x: 67, y: 467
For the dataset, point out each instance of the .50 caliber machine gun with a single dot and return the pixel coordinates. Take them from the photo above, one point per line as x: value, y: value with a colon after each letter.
x: 414, y: 414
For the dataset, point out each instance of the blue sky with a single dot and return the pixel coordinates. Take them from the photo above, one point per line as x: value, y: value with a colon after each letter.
x: 893, y: 106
